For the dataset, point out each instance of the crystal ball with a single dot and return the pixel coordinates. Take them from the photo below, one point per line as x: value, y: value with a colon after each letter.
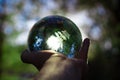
x: 56, y: 33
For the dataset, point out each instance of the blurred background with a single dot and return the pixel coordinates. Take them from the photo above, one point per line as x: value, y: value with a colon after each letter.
x: 98, y: 20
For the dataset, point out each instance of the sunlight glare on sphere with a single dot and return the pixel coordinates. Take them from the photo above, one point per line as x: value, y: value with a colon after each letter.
x: 55, y: 33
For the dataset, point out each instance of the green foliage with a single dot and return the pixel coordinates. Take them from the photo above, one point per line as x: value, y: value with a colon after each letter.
x: 11, y: 63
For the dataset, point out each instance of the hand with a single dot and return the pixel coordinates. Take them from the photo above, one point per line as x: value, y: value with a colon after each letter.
x: 54, y: 66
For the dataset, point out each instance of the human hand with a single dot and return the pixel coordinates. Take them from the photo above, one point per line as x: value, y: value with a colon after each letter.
x: 54, y: 66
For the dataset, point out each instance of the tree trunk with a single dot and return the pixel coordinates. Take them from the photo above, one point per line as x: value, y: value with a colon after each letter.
x: 2, y: 20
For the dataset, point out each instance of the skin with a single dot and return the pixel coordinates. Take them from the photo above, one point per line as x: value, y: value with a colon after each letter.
x: 54, y: 66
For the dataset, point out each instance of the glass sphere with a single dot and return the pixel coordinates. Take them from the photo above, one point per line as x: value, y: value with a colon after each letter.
x: 55, y: 33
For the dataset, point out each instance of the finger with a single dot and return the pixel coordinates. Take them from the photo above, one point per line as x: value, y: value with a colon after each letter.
x: 25, y: 57
x: 82, y: 54
x: 36, y: 58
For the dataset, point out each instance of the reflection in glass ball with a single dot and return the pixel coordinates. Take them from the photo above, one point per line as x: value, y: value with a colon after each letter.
x: 55, y: 33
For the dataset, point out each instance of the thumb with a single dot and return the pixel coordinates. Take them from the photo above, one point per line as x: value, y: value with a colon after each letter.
x: 37, y: 58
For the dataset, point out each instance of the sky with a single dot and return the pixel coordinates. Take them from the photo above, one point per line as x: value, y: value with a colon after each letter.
x: 25, y: 17
x: 79, y: 18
